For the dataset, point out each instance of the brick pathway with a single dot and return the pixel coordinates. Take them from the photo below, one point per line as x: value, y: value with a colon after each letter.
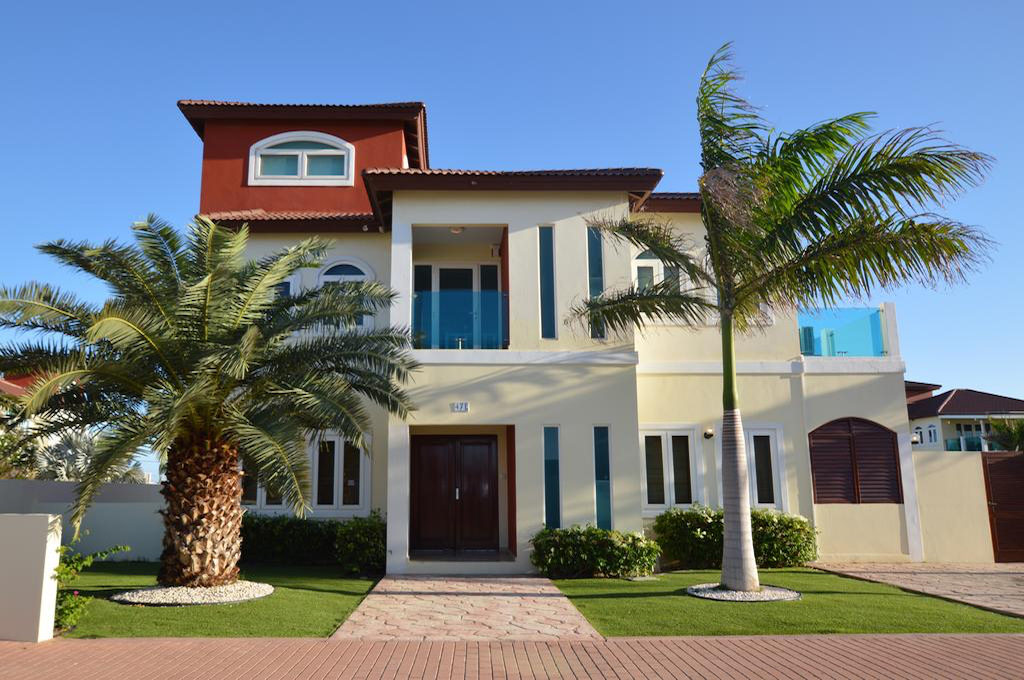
x: 999, y: 587
x: 468, y: 609
x: 837, y: 657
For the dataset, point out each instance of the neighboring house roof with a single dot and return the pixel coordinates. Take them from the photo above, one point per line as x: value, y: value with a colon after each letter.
x: 381, y: 182
x: 414, y: 115
x: 12, y: 389
x: 916, y: 391
x: 960, y: 402
x: 260, y: 220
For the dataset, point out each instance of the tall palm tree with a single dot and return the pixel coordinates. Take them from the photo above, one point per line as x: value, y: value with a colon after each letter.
x: 198, y: 355
x: 804, y: 219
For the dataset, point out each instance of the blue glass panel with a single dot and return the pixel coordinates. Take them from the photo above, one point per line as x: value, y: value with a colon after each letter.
x: 457, y: 311
x: 595, y: 271
x: 547, y: 282
x: 302, y: 145
x: 552, y: 502
x: 602, y: 475
x: 325, y: 166
x: 850, y: 332
x: 272, y: 164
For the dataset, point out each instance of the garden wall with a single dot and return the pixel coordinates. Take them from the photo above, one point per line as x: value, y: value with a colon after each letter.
x: 122, y: 514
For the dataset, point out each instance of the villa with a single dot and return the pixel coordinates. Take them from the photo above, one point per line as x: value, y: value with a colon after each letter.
x: 524, y: 419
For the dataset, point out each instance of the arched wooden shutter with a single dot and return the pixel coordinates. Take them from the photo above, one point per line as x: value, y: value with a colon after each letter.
x: 855, y: 461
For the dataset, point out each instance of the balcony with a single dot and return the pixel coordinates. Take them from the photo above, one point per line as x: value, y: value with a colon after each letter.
x: 460, y: 319
x: 848, y: 332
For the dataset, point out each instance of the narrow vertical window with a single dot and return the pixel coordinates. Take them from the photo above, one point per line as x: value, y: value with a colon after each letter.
x: 602, y: 474
x: 350, y: 475
x: 422, y: 306
x: 249, y: 487
x: 547, y: 282
x: 552, y: 497
x: 682, y: 486
x: 763, y: 477
x: 595, y: 273
x: 325, y: 474
x: 654, y: 465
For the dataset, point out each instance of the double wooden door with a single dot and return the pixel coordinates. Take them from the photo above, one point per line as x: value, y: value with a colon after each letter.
x: 454, y: 494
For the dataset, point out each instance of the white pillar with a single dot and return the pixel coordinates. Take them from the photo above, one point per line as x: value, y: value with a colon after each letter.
x: 911, y: 510
x: 398, y: 497
x: 28, y: 591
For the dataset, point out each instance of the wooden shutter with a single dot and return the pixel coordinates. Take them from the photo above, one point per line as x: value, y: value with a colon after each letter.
x: 855, y: 461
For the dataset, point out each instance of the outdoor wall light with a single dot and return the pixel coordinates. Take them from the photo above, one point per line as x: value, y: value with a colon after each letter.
x: 457, y: 230
x: 709, y: 433
x: 915, y: 438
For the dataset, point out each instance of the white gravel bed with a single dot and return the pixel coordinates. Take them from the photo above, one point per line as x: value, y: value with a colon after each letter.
x: 711, y: 591
x: 239, y: 591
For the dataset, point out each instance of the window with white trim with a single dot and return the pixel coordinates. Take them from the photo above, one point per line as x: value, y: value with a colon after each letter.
x: 933, y: 434
x: 346, y: 271
x: 648, y: 270
x: 920, y: 434
x: 340, y: 473
x: 301, y: 158
x: 669, y: 466
x: 764, y: 468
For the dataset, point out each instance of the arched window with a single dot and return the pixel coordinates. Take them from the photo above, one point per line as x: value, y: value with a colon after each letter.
x: 933, y: 434
x: 855, y: 461
x: 349, y: 271
x: 920, y: 434
x: 301, y: 159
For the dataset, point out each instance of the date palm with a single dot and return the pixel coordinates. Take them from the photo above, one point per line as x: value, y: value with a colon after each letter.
x: 68, y: 458
x: 1006, y: 434
x: 199, y: 356
x: 798, y: 220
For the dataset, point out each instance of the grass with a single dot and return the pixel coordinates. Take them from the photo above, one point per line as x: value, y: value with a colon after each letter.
x: 830, y: 604
x: 306, y: 602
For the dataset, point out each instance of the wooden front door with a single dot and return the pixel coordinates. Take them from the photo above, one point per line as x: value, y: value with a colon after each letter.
x: 454, y: 494
x: 1004, y: 480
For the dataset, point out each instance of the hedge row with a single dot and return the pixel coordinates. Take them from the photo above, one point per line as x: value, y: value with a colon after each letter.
x: 583, y: 552
x: 357, y: 545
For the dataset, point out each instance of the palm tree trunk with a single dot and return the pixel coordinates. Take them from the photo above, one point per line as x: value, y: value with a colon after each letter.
x: 739, y: 569
x: 203, y: 518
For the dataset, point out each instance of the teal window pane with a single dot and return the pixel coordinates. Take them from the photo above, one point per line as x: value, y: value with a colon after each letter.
x: 325, y: 166
x: 644, y: 277
x: 552, y: 498
x: 654, y: 464
x: 302, y: 145
x: 275, y: 165
x: 344, y: 270
x: 595, y: 272
x: 547, y: 282
x: 603, y: 481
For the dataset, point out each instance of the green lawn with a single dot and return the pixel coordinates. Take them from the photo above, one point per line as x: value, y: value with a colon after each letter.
x: 306, y: 602
x: 830, y: 604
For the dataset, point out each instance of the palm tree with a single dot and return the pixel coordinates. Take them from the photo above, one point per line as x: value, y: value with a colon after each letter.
x: 804, y: 220
x: 1006, y: 433
x: 68, y: 458
x: 199, y: 356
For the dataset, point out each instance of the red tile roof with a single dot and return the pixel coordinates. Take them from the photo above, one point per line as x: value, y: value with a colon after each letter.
x: 296, y: 221
x: 960, y: 402
x: 672, y: 202
x: 12, y: 389
x: 259, y: 214
x: 579, y: 172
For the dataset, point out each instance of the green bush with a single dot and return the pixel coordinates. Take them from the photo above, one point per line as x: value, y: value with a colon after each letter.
x: 71, y: 605
x: 584, y: 552
x: 357, y: 545
x: 693, y: 538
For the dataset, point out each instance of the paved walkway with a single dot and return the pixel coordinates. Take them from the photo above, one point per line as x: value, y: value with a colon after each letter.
x: 469, y: 609
x: 999, y: 587
x: 837, y: 657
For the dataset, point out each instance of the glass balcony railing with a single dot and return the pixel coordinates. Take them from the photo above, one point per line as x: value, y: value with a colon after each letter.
x: 849, y: 332
x: 460, y: 319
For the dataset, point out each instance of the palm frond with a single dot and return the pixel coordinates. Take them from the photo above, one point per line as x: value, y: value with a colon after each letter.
x: 622, y: 310
x: 731, y: 129
x: 38, y: 306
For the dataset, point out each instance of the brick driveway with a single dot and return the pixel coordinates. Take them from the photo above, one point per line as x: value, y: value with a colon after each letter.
x: 467, y: 608
x: 841, y: 656
x: 999, y: 587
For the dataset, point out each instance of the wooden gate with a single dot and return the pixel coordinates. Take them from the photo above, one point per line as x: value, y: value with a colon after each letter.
x: 1004, y: 484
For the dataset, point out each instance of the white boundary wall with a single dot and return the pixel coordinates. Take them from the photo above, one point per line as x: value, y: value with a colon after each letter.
x: 121, y: 514
x: 28, y: 589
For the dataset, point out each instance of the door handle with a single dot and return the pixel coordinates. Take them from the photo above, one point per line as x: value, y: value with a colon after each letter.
x: 456, y: 493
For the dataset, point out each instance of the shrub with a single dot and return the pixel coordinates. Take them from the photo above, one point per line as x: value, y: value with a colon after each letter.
x: 584, y: 552
x: 71, y: 605
x: 357, y: 545
x: 693, y: 538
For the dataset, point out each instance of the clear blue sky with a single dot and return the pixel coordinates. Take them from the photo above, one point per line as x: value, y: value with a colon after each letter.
x: 94, y: 141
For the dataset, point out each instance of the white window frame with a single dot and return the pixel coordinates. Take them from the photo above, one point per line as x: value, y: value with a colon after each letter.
x: 775, y: 431
x: 435, y: 287
x: 323, y: 277
x: 933, y: 434
x: 666, y: 432
x: 340, y: 147
x: 337, y: 508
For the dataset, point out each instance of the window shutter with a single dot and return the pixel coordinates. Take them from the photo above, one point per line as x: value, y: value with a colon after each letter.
x: 832, y: 464
x: 855, y: 461
x: 878, y: 470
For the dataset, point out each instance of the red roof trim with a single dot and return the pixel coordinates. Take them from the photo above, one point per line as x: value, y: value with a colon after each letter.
x: 672, y: 202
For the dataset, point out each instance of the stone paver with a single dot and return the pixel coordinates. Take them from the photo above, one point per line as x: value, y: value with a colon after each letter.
x: 999, y: 587
x: 813, y: 656
x: 466, y: 608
